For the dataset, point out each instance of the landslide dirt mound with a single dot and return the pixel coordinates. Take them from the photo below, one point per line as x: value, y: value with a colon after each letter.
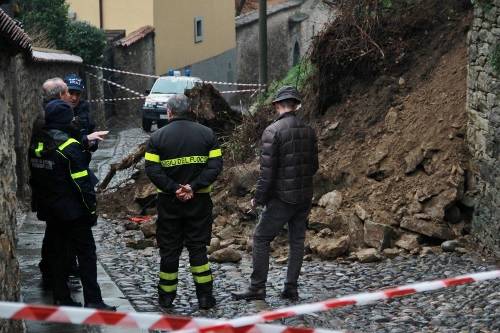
x: 392, y: 153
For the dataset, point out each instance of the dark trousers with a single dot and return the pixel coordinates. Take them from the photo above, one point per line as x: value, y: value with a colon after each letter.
x: 275, y: 215
x: 64, y: 238
x: 44, y: 263
x: 184, y: 224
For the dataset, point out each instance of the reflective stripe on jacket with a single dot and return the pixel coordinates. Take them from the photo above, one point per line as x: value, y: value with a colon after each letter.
x: 183, y: 152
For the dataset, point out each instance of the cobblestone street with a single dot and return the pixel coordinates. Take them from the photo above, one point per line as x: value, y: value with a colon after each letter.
x: 469, y: 308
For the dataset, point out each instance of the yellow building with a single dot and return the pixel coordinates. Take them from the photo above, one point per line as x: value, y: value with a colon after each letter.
x: 195, y: 33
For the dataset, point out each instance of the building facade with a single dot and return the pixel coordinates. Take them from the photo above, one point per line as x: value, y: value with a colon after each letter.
x: 196, y: 34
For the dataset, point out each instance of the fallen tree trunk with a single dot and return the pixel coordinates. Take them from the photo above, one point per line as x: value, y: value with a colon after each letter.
x: 126, y: 163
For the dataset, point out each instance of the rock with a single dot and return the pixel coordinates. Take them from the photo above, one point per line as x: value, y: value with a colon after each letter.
x: 140, y: 244
x: 243, y: 178
x: 221, y: 220
x: 148, y: 229
x: 333, y: 126
x: 414, y: 159
x: 426, y: 250
x: 282, y: 260
x: 129, y: 225
x: 361, y: 212
x: 355, y: 230
x: 368, y: 255
x: 227, y: 242
x: 380, y: 153
x: 409, y: 241
x: 377, y: 235
x: 145, y: 194
x: 227, y: 233
x: 391, y: 252
x: 450, y: 246
x: 331, y: 201
x: 391, y: 119
x: 437, y: 206
x: 433, y: 228
x: 384, y: 217
x: 319, y: 219
x: 214, y: 245
x: 401, y: 81
x: 330, y: 249
x: 225, y: 255
x: 135, y: 234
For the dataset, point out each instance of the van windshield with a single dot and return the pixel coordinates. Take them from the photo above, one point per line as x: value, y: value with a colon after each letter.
x: 174, y: 86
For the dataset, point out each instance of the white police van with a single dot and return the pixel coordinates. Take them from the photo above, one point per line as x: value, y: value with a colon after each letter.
x: 154, y: 109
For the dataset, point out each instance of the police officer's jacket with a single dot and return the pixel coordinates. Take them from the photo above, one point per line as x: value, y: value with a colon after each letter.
x: 183, y: 152
x: 87, y: 124
x: 61, y: 182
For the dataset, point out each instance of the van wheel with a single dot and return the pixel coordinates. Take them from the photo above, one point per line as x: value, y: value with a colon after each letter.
x: 146, y: 124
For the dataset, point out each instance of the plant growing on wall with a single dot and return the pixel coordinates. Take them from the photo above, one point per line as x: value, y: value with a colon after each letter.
x: 495, y: 59
x: 48, y: 23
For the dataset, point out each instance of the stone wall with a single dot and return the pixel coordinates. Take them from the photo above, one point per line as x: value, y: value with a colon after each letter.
x: 291, y: 28
x: 9, y: 268
x: 138, y: 57
x: 483, y: 134
x: 25, y: 81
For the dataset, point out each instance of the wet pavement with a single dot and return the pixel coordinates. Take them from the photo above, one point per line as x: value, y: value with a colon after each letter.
x: 31, y: 231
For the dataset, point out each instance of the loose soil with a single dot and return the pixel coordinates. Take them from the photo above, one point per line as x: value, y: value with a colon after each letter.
x: 394, y: 148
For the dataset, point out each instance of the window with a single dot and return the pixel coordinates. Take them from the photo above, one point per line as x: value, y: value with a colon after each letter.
x: 198, y: 29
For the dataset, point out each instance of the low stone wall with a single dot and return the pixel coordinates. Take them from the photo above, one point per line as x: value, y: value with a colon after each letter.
x: 483, y: 107
x: 9, y: 268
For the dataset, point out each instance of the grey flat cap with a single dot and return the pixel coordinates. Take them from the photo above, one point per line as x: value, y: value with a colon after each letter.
x: 287, y: 92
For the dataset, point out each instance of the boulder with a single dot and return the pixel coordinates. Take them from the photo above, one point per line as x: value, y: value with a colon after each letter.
x: 319, y: 219
x: 437, y: 206
x: 391, y: 252
x: 378, y: 235
x: 433, y: 228
x: 331, y: 201
x: 450, y: 246
x: 409, y: 241
x: 355, y: 230
x: 227, y: 233
x: 145, y: 194
x: 148, y: 229
x: 214, y: 245
x: 330, y: 249
x: 368, y: 255
x: 225, y: 255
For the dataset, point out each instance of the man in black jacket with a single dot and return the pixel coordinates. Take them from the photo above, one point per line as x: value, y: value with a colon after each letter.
x: 289, y: 160
x: 63, y: 195
x: 183, y: 159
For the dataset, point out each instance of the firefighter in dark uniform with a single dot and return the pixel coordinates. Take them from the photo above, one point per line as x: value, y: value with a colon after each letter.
x: 63, y: 195
x: 183, y: 159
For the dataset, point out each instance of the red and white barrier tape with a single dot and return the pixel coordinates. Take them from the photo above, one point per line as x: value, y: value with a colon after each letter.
x: 86, y: 316
x: 235, y: 325
x: 240, y: 91
x: 116, y: 85
x: 104, y: 100
x: 157, y: 76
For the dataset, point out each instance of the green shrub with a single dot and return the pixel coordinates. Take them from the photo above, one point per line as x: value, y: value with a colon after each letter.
x: 48, y: 22
x: 86, y: 41
x: 297, y: 76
